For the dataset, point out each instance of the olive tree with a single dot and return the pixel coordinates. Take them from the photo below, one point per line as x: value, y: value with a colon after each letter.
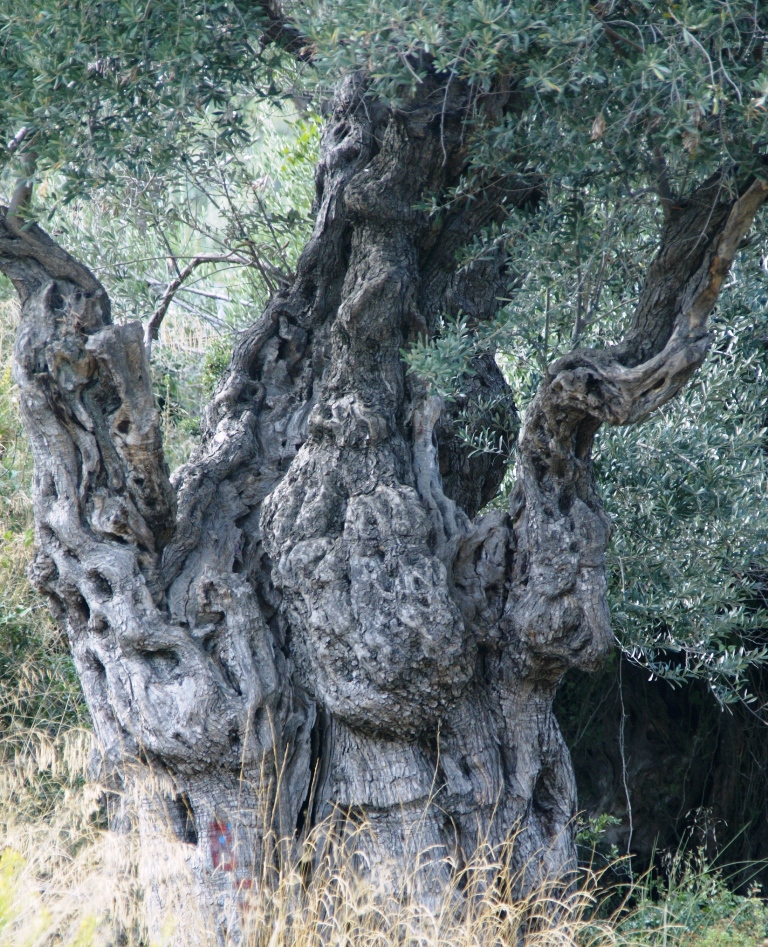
x: 319, y: 616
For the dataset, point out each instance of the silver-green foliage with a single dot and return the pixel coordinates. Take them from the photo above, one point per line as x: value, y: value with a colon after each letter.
x: 687, y: 492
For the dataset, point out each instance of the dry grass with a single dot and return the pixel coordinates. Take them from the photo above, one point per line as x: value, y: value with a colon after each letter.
x: 67, y: 881
x: 64, y: 880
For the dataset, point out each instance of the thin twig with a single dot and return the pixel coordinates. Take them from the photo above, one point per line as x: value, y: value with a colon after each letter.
x: 188, y: 289
x: 153, y: 326
x: 624, y: 779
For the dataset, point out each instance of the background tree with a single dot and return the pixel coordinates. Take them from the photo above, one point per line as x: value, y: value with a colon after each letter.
x: 316, y: 614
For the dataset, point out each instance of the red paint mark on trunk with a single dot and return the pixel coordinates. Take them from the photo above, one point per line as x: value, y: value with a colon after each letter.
x: 222, y: 853
x: 223, y: 857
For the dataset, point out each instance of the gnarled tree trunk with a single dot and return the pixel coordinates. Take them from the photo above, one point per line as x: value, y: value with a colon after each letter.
x: 314, y: 617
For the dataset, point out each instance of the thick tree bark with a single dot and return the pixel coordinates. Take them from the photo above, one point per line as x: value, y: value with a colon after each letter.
x: 309, y: 620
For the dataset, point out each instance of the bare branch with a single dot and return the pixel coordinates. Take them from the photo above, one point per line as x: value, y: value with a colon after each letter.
x: 556, y: 510
x: 18, y: 138
x: 22, y: 194
x: 684, y: 282
x: 153, y: 326
x: 736, y: 228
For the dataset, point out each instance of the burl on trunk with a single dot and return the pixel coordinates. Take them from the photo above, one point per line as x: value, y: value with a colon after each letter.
x: 313, y: 617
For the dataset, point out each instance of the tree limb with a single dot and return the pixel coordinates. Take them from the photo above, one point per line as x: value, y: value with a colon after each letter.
x: 18, y: 138
x: 22, y: 193
x: 557, y: 604
x: 152, y: 328
x: 739, y: 221
x: 283, y: 32
x: 197, y: 691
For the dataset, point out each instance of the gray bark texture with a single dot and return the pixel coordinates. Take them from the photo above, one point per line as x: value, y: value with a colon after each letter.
x: 314, y: 618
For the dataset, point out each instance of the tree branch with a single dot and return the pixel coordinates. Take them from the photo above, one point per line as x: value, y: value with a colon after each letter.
x: 663, y: 186
x: 192, y: 686
x: 599, y: 384
x: 18, y: 138
x: 557, y: 602
x: 22, y: 193
x: 736, y: 228
x: 283, y: 32
x: 152, y: 328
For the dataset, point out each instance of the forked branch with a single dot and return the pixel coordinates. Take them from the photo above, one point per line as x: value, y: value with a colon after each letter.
x: 559, y: 586
x: 152, y: 328
x: 600, y: 385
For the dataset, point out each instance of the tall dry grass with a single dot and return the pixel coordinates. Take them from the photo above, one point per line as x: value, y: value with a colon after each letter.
x: 66, y: 879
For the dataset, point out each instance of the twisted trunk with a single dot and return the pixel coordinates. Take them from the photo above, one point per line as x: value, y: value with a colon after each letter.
x: 312, y: 618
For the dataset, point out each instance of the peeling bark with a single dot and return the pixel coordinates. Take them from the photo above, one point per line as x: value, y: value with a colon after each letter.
x: 314, y: 602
